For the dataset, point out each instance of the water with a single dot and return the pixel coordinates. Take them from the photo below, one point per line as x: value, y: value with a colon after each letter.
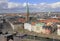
x: 37, y: 38
x: 31, y: 38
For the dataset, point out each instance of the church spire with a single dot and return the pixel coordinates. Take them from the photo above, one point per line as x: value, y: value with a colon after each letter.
x: 27, y: 14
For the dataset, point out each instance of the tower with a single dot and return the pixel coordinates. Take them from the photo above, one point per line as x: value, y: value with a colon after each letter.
x: 49, y: 13
x: 27, y: 12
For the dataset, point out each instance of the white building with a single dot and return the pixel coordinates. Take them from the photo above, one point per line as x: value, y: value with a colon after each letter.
x: 28, y: 26
x: 36, y: 28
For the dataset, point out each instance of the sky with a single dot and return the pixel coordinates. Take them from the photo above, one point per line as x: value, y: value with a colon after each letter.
x: 34, y: 5
x: 35, y: 1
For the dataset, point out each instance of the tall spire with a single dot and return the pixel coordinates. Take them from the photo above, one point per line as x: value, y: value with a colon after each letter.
x: 27, y: 14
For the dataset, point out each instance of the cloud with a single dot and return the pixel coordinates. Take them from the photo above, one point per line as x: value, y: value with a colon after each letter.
x: 3, y: 4
x: 11, y: 6
x: 46, y: 7
x: 16, y: 5
x: 24, y: 4
x: 40, y: 5
x: 55, y: 5
x: 3, y: 0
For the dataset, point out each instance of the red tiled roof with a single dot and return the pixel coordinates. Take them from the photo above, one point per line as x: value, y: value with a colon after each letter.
x: 49, y: 20
x: 21, y: 20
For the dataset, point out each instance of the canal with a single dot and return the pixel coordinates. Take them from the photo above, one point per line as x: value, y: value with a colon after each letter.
x: 36, y: 38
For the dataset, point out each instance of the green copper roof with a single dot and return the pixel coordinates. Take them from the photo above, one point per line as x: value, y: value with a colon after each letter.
x: 40, y: 24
